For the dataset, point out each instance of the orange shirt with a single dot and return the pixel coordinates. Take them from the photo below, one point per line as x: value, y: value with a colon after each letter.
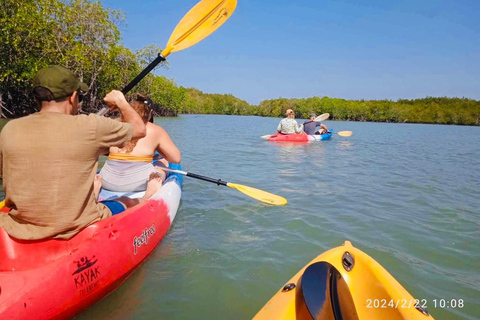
x: 48, y: 162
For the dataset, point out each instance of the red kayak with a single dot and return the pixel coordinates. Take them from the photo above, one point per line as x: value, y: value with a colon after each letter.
x: 58, y: 279
x: 297, y: 137
x: 289, y: 137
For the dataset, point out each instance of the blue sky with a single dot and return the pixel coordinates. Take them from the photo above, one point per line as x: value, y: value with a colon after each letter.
x: 350, y: 49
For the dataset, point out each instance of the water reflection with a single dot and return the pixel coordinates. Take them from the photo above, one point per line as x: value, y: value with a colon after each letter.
x: 122, y: 303
x: 344, y: 144
x: 296, y: 152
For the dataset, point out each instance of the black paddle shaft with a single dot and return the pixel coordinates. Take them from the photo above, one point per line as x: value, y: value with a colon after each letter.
x: 197, y: 176
x: 142, y: 74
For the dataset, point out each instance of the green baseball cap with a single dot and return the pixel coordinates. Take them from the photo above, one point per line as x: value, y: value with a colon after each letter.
x: 59, y: 80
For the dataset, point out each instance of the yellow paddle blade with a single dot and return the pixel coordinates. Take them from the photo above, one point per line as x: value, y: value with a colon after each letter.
x: 323, y: 117
x: 260, y: 195
x: 206, y: 17
x: 267, y: 136
x: 2, y: 204
x: 345, y: 133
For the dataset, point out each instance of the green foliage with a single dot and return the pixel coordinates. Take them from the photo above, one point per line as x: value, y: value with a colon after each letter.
x: 82, y: 36
x: 24, y: 32
x: 167, y: 96
x: 198, y: 102
x: 428, y: 110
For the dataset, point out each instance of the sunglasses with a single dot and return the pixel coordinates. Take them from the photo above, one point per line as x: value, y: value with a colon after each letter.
x: 80, y: 94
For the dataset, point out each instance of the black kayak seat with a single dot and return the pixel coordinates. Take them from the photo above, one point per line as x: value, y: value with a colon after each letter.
x: 326, y: 293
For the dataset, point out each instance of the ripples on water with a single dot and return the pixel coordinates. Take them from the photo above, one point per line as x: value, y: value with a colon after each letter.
x: 406, y: 194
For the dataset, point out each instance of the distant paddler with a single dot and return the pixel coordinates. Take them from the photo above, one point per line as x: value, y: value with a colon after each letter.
x: 310, y: 126
x: 289, y: 125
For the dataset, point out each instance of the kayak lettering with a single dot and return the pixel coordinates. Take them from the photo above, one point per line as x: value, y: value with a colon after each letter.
x: 89, y: 289
x: 85, y: 277
x: 143, y: 239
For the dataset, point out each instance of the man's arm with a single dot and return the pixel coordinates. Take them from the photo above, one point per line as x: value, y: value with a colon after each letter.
x: 116, y: 100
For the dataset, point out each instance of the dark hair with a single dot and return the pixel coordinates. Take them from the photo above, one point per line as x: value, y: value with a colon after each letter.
x: 142, y: 106
x: 44, y: 94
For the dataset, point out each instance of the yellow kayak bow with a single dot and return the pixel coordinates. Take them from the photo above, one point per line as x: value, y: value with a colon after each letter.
x: 344, y: 283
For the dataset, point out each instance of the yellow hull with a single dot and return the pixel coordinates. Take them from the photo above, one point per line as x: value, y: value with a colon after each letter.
x: 343, y: 283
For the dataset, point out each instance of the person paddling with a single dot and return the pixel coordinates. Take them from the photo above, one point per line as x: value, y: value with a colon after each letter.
x: 289, y: 125
x: 127, y: 169
x: 48, y: 160
x: 310, y: 126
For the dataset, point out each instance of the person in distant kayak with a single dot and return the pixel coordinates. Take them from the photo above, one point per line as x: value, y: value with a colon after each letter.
x: 310, y: 126
x: 289, y: 125
x: 128, y: 168
x: 49, y: 159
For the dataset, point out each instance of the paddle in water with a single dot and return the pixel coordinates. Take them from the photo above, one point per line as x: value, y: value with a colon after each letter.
x: 204, y: 18
x: 260, y: 195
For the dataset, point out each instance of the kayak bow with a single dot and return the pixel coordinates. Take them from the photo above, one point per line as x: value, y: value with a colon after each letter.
x: 344, y: 283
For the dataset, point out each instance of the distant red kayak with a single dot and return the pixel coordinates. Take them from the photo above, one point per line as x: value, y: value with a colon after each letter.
x: 296, y: 137
x: 58, y: 279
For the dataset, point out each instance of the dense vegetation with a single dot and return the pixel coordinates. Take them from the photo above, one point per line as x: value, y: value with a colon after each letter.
x: 84, y: 37
x: 80, y: 35
x: 427, y: 110
x: 199, y: 102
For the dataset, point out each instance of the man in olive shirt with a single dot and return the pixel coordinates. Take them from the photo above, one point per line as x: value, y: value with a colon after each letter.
x: 48, y: 160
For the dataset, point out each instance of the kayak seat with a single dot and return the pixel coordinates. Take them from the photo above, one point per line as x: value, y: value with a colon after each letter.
x: 326, y: 294
x: 344, y: 283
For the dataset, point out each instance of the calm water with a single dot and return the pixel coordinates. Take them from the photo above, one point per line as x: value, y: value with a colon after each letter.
x: 406, y: 194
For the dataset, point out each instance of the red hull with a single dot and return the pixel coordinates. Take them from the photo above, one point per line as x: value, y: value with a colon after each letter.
x: 57, y: 279
x: 289, y: 137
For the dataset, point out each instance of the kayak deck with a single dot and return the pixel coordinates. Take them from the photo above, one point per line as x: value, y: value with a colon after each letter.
x: 343, y: 283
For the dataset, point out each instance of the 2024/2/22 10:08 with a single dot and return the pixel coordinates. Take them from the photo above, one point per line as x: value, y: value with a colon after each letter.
x: 423, y: 303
